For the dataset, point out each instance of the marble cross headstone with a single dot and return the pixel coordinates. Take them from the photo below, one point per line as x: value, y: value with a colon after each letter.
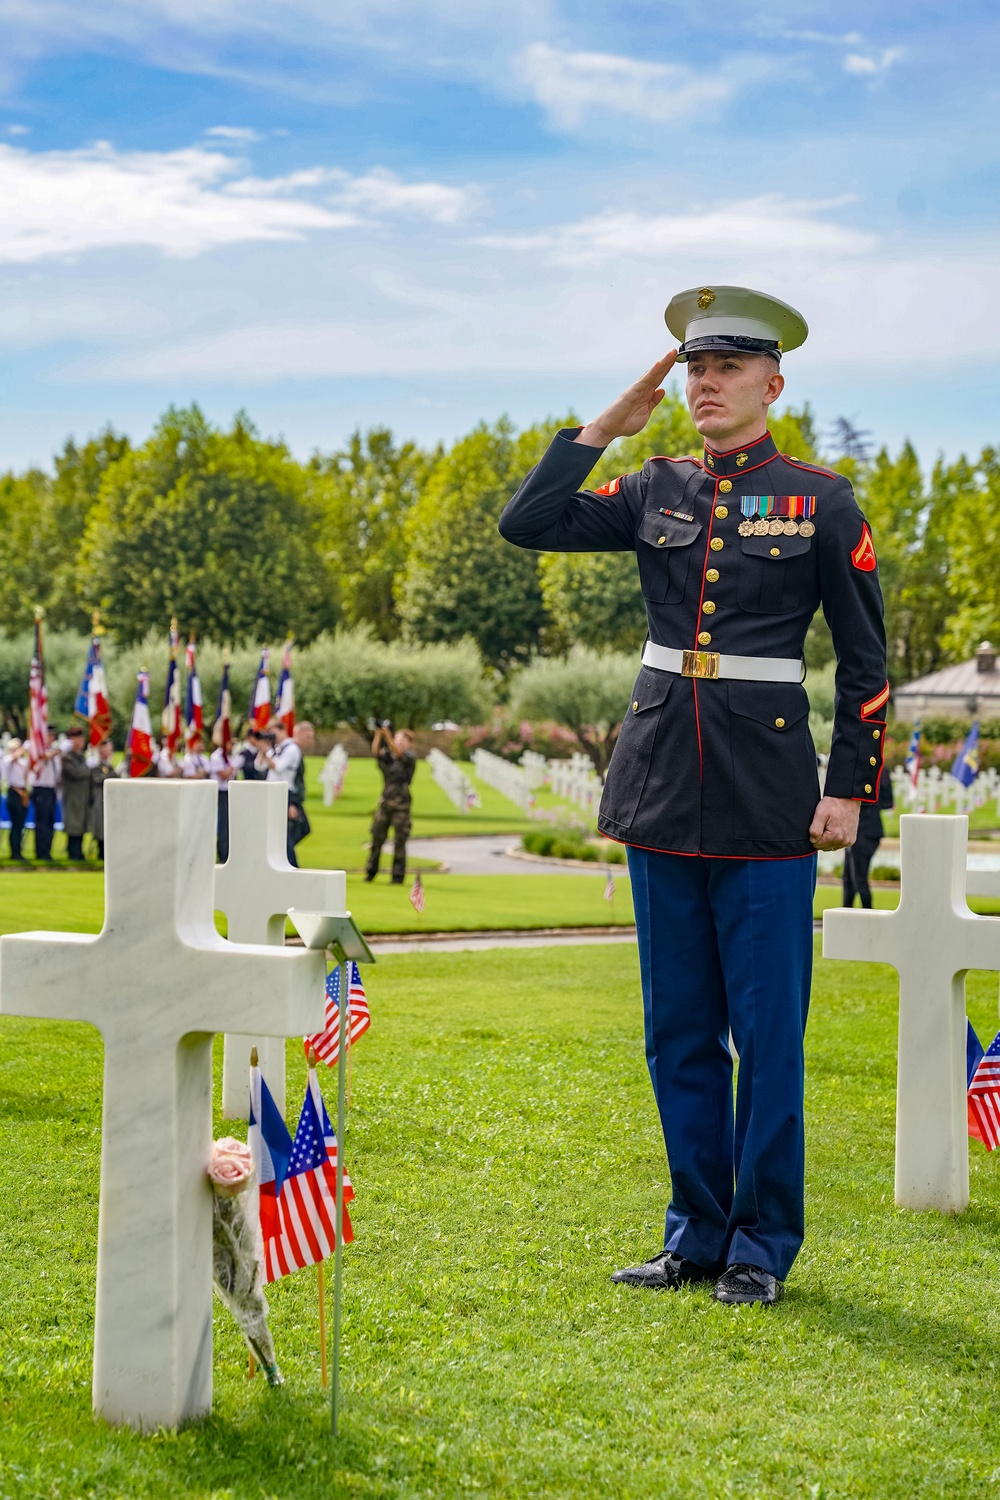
x: 255, y: 888
x: 931, y: 939
x: 157, y: 981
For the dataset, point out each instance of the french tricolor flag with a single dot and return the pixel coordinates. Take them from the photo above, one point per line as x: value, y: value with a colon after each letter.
x: 284, y: 703
x: 271, y: 1148
x: 193, y: 715
x: 140, y: 735
x: 260, y: 700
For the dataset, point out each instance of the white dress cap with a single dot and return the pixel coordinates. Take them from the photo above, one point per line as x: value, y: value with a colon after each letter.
x: 734, y: 317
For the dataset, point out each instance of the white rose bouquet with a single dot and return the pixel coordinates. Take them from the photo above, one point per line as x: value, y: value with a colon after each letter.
x: 236, y: 1268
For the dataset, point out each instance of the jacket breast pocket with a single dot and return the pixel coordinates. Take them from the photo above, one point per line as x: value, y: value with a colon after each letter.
x: 774, y: 573
x: 634, y: 748
x: 663, y: 548
x: 775, y: 780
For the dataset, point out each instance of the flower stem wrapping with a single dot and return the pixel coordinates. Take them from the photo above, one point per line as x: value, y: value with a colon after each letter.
x: 236, y: 1267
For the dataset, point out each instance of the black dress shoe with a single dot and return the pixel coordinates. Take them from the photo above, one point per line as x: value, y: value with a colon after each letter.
x: 663, y: 1271
x: 742, y: 1284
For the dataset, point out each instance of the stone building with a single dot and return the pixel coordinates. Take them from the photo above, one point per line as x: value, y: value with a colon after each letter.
x: 967, y: 690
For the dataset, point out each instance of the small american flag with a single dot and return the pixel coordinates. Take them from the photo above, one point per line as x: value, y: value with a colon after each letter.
x: 609, y: 887
x: 984, y: 1097
x: 307, y: 1200
x: 417, y: 894
x: 326, y: 1043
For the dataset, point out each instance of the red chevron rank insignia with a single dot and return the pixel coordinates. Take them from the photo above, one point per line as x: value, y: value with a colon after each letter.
x: 611, y: 488
x: 863, y: 557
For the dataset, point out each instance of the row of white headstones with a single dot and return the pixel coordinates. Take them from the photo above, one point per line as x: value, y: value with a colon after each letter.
x: 158, y: 981
x: 937, y: 791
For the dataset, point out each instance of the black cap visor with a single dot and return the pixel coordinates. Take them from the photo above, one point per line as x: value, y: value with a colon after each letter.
x: 734, y: 343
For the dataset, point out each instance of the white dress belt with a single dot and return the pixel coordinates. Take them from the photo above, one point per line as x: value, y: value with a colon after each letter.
x: 715, y: 664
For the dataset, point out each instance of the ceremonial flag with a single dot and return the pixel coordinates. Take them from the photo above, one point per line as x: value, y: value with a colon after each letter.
x: 966, y: 767
x: 417, y: 894
x: 140, y: 736
x: 911, y: 764
x: 326, y: 1043
x: 193, y: 720
x: 170, y: 719
x: 92, y: 699
x: 609, y: 887
x: 984, y: 1097
x: 284, y: 703
x: 38, y: 699
x: 306, y: 1200
x: 222, y: 734
x: 259, y: 712
x: 271, y: 1148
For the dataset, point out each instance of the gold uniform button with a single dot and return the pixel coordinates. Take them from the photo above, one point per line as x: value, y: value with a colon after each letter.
x: 708, y: 608
x: 778, y: 723
x: 876, y: 734
x: 775, y: 551
x: 635, y: 706
x: 712, y: 575
x: 725, y: 485
x: 660, y: 541
x: 704, y: 638
x: 717, y: 543
x: 873, y: 761
x: 867, y: 787
x: 722, y: 512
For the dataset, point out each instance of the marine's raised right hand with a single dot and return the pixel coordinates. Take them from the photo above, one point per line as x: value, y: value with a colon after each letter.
x: 632, y: 410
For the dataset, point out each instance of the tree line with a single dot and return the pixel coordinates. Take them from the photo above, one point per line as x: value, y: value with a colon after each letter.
x: 243, y: 542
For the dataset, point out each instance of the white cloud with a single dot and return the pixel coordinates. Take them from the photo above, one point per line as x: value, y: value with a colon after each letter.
x: 65, y: 203
x: 577, y: 88
x: 864, y: 65
x: 763, y: 226
x: 233, y: 133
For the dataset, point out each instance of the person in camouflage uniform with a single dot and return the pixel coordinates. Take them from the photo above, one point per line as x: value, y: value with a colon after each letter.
x: 397, y: 763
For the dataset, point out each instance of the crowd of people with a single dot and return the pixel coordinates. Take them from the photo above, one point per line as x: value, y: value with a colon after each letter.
x: 70, y: 777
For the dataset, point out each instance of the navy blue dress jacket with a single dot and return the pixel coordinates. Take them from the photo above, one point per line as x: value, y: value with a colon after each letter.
x: 721, y: 767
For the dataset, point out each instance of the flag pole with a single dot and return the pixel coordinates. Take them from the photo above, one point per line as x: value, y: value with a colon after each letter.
x: 321, y: 1286
x: 338, y: 1254
x: 311, y: 1059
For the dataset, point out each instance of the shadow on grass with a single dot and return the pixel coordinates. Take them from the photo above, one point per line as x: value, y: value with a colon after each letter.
x: 898, y: 1333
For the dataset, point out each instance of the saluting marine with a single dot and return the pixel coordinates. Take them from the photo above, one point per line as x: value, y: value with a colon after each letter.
x: 713, y: 785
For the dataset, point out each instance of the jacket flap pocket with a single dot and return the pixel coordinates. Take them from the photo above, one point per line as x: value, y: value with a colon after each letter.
x: 778, y: 705
x: 775, y: 548
x: 651, y: 689
x: 666, y: 531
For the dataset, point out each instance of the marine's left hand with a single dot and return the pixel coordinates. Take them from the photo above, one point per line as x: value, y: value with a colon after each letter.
x: 835, y: 823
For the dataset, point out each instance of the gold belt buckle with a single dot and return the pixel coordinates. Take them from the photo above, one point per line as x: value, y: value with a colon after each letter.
x: 700, y: 664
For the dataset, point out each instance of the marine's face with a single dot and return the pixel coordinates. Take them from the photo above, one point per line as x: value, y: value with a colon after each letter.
x: 729, y: 392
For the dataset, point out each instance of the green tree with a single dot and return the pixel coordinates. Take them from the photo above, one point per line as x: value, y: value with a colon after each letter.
x: 462, y: 579
x: 215, y: 527
x: 969, y: 496
x: 367, y: 492
x: 73, y: 494
x: 586, y: 690
x: 28, y: 547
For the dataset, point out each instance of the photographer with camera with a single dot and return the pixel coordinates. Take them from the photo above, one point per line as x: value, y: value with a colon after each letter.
x: 397, y: 762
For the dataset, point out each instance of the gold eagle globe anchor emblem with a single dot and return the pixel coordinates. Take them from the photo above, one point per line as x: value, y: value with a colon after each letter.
x: 705, y: 297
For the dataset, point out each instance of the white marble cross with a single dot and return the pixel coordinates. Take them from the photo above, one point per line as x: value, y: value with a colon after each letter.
x: 157, y: 981
x: 255, y: 888
x: 931, y: 940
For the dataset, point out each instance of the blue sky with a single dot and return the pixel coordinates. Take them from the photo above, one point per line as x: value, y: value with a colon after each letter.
x: 436, y: 212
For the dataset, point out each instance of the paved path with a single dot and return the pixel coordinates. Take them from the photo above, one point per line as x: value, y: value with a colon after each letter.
x: 486, y: 854
x: 477, y: 942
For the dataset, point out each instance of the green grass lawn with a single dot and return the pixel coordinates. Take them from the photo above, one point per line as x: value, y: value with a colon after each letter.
x: 507, y: 1158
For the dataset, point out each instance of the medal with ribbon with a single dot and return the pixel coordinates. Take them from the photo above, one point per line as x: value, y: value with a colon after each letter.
x: 777, y: 515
